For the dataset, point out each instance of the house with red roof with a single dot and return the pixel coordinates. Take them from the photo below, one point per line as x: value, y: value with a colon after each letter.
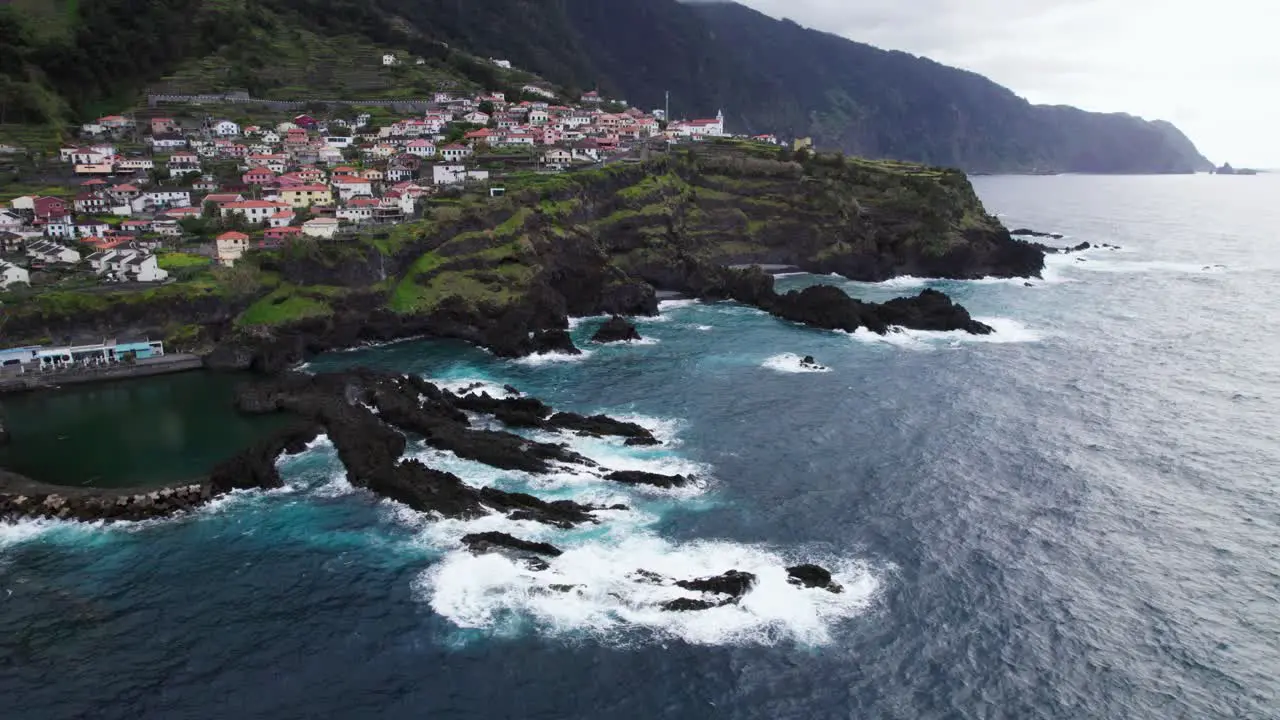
x: 349, y: 186
x: 282, y: 218
x: 49, y: 207
x: 455, y: 152
x: 281, y: 234
x: 255, y: 211
x: 221, y: 199
x: 230, y: 247
x: 260, y: 175
x: 164, y: 126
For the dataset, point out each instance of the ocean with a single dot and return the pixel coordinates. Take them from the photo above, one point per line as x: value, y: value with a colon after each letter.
x: 1076, y: 517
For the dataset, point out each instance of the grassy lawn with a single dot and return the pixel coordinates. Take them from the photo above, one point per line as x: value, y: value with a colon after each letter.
x: 181, y: 260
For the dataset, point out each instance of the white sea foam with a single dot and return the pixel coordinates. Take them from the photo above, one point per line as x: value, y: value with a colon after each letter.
x: 576, y: 322
x: 28, y: 530
x: 1007, y: 331
x: 678, y: 303
x: 553, y: 358
x: 1105, y: 264
x: 609, y: 601
x: 792, y: 363
x: 466, y: 386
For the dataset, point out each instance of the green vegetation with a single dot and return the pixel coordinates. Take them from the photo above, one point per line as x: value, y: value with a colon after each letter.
x: 284, y: 305
x: 181, y: 261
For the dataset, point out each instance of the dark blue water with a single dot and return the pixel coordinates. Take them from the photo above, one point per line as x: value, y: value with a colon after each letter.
x: 1078, y: 520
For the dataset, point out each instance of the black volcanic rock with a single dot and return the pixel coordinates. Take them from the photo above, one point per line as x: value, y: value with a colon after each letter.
x: 1027, y: 232
x: 602, y: 425
x: 255, y: 467
x: 366, y: 414
x: 616, y: 329
x: 827, y: 307
x: 930, y: 310
x: 545, y: 342
x: 734, y: 583
x: 486, y: 542
x: 813, y: 576
x: 637, y: 477
x: 692, y: 604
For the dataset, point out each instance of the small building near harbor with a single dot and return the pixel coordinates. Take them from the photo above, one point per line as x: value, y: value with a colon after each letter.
x: 65, y: 357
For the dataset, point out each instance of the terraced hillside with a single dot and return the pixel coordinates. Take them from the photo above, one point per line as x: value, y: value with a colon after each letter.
x: 497, y: 272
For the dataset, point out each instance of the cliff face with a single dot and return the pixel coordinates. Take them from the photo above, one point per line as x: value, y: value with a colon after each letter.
x: 505, y: 274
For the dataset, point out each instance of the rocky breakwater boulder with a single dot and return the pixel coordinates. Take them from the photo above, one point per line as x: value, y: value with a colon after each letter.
x: 53, y: 502
x: 614, y: 330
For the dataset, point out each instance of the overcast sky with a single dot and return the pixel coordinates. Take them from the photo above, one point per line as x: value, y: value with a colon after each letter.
x: 1212, y: 67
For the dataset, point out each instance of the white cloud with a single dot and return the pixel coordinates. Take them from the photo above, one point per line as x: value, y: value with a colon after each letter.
x: 1209, y: 67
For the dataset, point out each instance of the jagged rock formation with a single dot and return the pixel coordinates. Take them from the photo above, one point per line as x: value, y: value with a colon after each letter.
x: 813, y: 576
x: 616, y: 329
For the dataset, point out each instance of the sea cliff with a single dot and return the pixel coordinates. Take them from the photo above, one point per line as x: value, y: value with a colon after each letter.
x: 507, y: 273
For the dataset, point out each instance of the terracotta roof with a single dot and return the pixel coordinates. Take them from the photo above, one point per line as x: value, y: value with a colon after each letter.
x: 233, y: 235
x: 349, y: 179
x: 247, y: 204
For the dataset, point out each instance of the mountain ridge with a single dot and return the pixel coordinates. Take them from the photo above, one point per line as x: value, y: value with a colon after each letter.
x: 768, y: 75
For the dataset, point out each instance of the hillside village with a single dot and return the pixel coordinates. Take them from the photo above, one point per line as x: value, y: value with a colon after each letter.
x: 216, y: 188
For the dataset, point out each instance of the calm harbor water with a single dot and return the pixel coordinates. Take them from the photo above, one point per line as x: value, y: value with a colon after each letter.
x: 1075, y: 518
x: 131, y: 433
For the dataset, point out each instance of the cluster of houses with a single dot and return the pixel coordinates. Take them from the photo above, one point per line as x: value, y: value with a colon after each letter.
x: 303, y: 177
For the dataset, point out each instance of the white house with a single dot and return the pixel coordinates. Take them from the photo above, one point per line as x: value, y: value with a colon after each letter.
x: 456, y: 174
x: 349, y: 186
x: 167, y: 142
x: 255, y: 211
x: 11, y: 221
x: 127, y: 265
x: 455, y: 152
x: 230, y: 247
x: 226, y: 128
x: 51, y: 252
x: 389, y: 59
x: 476, y: 118
x: 421, y: 147
x: 321, y: 227
x: 539, y: 91
x: 357, y: 214
x: 144, y: 267
x: 504, y: 64
x: 11, y: 274
x: 163, y: 199
x: 89, y: 156
x: 557, y: 158
x: 281, y: 219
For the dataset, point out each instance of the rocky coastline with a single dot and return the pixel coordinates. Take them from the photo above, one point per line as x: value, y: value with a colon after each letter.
x: 508, y: 274
x: 370, y: 418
